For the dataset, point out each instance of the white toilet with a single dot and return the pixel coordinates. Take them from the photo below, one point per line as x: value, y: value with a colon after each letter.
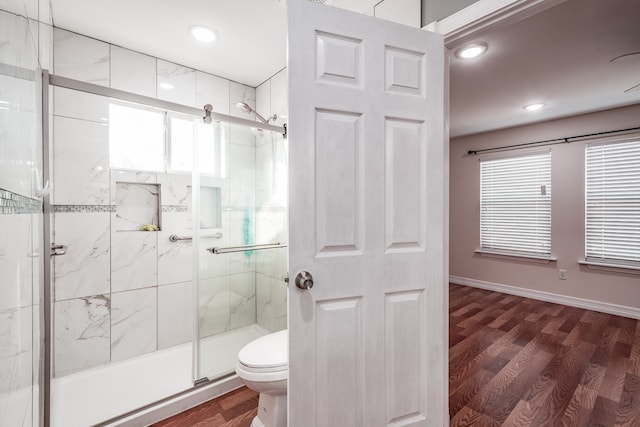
x: 263, y: 365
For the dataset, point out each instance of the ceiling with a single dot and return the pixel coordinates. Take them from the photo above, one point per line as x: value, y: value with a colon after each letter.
x: 251, y: 44
x: 560, y: 56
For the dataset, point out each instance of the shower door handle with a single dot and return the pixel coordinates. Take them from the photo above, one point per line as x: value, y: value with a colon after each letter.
x: 304, y: 280
x: 58, y: 249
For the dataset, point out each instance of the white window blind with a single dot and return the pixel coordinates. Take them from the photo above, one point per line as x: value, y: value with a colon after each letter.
x: 613, y: 203
x: 515, y: 205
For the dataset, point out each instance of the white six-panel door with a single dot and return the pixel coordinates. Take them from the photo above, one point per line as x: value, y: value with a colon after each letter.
x: 367, y: 220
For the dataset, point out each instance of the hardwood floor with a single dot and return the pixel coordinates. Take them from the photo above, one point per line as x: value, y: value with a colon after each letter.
x: 235, y: 409
x: 520, y: 362
x: 512, y: 362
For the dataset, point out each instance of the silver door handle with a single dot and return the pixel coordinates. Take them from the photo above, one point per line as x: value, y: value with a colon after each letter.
x: 304, y: 280
x: 58, y: 249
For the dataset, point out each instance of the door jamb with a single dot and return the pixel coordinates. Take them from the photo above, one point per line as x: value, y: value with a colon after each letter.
x: 467, y: 23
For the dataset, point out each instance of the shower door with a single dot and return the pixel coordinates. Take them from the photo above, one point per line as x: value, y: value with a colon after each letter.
x: 368, y: 221
x: 21, y: 222
x: 123, y: 291
x: 241, y: 294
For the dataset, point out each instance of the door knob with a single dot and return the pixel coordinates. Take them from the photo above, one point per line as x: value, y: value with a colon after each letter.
x: 304, y: 280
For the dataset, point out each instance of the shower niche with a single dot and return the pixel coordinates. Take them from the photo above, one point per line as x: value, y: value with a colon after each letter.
x: 137, y: 206
x: 210, y: 208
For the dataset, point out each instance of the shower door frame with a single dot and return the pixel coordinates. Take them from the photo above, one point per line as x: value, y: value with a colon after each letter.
x: 207, y: 115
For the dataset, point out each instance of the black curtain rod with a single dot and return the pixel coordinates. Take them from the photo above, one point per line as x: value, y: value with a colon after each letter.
x: 550, y: 141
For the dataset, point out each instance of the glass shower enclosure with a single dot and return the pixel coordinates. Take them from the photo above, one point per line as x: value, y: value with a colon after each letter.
x: 148, y: 299
x: 241, y: 247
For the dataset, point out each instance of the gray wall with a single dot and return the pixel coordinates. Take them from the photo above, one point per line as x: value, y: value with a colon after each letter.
x: 435, y: 10
x: 567, y: 214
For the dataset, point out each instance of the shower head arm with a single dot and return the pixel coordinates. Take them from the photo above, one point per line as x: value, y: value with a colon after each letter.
x: 259, y: 117
x: 249, y: 110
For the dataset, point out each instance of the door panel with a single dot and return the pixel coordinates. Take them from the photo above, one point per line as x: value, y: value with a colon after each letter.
x: 339, y: 361
x: 403, y: 331
x: 339, y: 184
x: 367, y: 216
x: 405, y: 145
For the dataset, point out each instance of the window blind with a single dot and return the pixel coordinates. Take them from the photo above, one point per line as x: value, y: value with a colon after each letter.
x: 515, y: 205
x: 613, y: 203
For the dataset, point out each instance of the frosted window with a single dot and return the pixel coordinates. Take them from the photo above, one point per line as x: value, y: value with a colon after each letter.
x: 515, y: 205
x: 136, y: 138
x: 183, y: 134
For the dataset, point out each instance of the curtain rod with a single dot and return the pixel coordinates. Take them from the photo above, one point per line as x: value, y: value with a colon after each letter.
x: 554, y: 141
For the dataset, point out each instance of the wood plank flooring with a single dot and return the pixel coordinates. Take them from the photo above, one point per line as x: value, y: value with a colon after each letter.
x: 512, y: 362
x: 235, y: 409
x: 521, y: 362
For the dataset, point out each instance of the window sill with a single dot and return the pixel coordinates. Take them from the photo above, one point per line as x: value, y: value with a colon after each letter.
x: 524, y: 257
x: 606, y: 266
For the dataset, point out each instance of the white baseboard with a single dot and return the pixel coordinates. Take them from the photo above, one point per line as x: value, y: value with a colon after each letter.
x: 604, y: 307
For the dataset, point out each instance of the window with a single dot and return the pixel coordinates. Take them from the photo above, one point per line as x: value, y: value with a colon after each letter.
x: 136, y: 138
x: 137, y: 141
x: 515, y: 205
x: 613, y: 203
x: 182, y: 135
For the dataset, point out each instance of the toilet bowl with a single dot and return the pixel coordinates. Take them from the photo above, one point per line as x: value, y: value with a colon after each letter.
x: 263, y: 366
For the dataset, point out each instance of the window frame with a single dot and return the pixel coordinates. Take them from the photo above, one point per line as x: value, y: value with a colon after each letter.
x: 523, y: 252
x: 604, y: 263
x: 168, y: 143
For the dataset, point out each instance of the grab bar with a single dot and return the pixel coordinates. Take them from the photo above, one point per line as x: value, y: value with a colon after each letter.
x: 175, y: 237
x: 229, y: 249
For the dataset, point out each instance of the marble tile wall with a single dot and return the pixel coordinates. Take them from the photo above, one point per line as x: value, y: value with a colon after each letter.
x: 132, y: 71
x: 80, y: 58
x: 133, y: 323
x: 271, y: 207
x: 175, y: 314
x: 121, y: 293
x: 18, y: 113
x: 20, y: 216
x: 271, y: 270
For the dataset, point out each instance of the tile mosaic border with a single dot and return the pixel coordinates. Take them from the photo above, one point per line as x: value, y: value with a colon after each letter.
x: 175, y: 208
x: 83, y: 208
x: 109, y: 208
x: 12, y: 204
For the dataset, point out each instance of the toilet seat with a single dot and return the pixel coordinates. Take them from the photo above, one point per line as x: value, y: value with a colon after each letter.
x: 265, y: 359
x: 268, y: 351
x: 262, y: 375
x: 264, y: 369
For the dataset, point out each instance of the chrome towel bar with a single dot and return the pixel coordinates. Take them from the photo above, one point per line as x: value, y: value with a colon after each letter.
x: 229, y: 249
x: 175, y: 237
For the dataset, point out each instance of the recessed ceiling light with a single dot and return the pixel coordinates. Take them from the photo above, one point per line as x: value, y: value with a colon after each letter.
x: 534, y: 107
x: 166, y: 86
x: 471, y: 50
x: 204, y: 34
